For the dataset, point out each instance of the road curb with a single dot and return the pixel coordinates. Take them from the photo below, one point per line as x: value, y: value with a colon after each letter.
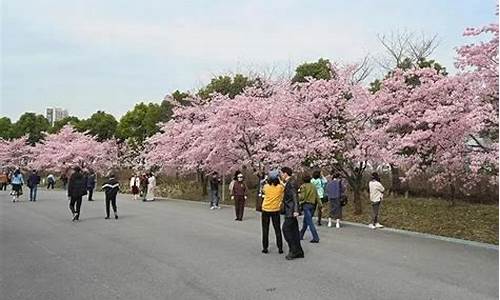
x: 386, y: 229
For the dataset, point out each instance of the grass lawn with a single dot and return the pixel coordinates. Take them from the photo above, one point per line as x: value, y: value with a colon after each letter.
x: 476, y: 222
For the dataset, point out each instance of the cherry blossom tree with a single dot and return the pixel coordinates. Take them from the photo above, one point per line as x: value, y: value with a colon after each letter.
x: 16, y: 153
x: 443, y: 126
x: 68, y: 148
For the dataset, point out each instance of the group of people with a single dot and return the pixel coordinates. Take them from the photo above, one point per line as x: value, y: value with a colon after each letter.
x: 143, y: 186
x: 279, y: 194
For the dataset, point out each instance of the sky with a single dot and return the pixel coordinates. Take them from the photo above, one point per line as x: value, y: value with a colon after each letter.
x: 109, y: 55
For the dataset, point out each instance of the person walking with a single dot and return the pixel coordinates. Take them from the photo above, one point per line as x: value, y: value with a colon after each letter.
x: 376, y: 195
x: 309, y: 200
x: 91, y: 182
x: 335, y: 191
x: 4, y: 179
x: 272, y: 192
x: 111, y: 188
x: 214, y: 191
x: 33, y: 182
x: 17, y: 182
x: 51, y: 181
x: 151, y: 187
x: 291, y: 210
x: 77, y: 188
x: 135, y: 185
x: 239, y: 193
x: 319, y: 181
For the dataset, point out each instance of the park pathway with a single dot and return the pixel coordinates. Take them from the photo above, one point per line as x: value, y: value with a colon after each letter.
x: 182, y: 250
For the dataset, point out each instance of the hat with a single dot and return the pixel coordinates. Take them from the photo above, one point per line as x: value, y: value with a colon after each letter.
x: 273, y: 174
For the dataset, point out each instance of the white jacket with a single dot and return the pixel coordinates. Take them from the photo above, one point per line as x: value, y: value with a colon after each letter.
x: 136, y: 180
x: 376, y: 191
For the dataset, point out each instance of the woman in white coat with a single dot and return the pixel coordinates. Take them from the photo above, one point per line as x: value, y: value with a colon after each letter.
x: 135, y: 186
x: 151, y: 187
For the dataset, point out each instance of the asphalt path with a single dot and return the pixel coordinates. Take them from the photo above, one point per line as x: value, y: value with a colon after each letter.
x: 182, y: 250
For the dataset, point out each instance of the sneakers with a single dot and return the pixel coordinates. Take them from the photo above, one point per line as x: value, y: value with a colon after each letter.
x: 265, y: 251
x: 218, y: 207
x: 378, y: 225
x: 371, y: 226
x: 212, y: 207
x: 337, y: 225
x: 106, y: 218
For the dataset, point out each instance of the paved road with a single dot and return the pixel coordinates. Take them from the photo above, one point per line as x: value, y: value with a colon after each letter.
x: 182, y: 250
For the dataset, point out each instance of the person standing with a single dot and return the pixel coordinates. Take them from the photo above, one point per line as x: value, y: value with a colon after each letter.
x: 3, y: 181
x: 376, y: 195
x: 33, y: 182
x: 309, y: 200
x: 17, y: 181
x: 151, y: 187
x: 77, y: 188
x: 51, y: 181
x: 319, y: 181
x: 91, y: 182
x: 214, y: 191
x: 273, y: 192
x: 235, y: 179
x: 239, y: 195
x: 111, y: 189
x: 291, y: 210
x: 335, y: 191
x: 144, y: 186
x: 135, y: 185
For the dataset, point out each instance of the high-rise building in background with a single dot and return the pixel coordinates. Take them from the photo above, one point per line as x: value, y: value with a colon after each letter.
x: 55, y: 114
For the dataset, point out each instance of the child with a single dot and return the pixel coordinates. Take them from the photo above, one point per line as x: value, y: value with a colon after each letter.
x: 111, y: 188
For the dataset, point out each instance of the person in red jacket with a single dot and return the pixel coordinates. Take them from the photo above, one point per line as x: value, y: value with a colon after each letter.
x: 239, y: 195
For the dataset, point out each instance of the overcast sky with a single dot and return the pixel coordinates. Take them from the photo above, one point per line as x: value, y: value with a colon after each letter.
x: 108, y: 55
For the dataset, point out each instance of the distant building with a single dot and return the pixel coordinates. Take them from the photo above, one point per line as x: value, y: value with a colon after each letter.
x: 55, y: 114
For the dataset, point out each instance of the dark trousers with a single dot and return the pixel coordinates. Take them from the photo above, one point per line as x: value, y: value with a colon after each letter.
x: 292, y: 236
x: 50, y: 185
x: 113, y: 203
x: 3, y: 186
x: 275, y: 216
x: 239, y: 206
x: 91, y: 192
x: 75, y: 201
x: 375, y: 210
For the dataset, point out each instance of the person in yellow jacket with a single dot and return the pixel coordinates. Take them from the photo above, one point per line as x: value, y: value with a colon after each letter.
x: 273, y: 192
x: 308, y: 200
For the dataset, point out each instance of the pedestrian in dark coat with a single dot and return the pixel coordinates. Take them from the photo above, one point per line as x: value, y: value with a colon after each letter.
x: 111, y: 189
x: 77, y: 188
x: 291, y: 212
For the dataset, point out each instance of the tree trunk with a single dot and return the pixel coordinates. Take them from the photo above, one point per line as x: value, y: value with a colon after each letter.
x: 452, y: 198
x: 396, y: 188
x: 358, y: 207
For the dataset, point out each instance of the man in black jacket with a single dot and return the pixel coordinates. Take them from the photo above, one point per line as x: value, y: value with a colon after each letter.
x: 33, y: 182
x: 111, y: 189
x: 77, y: 188
x: 291, y: 207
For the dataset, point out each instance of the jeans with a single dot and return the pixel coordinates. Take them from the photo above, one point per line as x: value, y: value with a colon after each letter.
x: 275, y: 216
x: 308, y: 222
x: 292, y: 236
x: 375, y: 210
x: 214, y: 198
x: 33, y: 190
